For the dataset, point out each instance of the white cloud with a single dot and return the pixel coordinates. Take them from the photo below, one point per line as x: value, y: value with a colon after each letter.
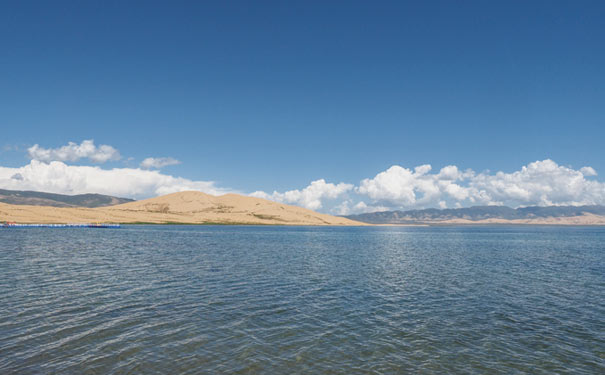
x: 158, y: 163
x: 57, y: 177
x: 588, y: 171
x: 310, y: 197
x: 343, y: 208
x: 450, y: 172
x: 539, y: 183
x: 401, y: 187
x: 74, y: 152
x: 349, y: 207
x: 455, y: 191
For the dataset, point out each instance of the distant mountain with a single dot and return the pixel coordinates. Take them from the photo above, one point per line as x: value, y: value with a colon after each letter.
x: 493, y: 214
x: 35, y: 198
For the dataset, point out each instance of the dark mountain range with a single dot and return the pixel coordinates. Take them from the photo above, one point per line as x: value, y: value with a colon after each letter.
x: 477, y: 213
x: 35, y: 198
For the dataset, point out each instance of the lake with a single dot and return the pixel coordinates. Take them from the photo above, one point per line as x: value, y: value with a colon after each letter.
x: 302, y: 300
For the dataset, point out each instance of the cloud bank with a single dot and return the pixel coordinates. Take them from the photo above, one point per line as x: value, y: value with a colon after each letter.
x: 310, y: 197
x: 541, y: 183
x: 58, y: 177
x: 74, y: 152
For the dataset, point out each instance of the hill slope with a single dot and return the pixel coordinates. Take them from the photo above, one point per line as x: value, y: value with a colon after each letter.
x: 35, y: 198
x: 184, y: 207
x: 490, y: 214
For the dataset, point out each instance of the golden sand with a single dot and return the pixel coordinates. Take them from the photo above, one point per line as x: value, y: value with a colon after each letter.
x: 190, y: 207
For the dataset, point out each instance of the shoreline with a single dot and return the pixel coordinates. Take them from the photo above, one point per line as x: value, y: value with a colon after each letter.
x: 101, y: 224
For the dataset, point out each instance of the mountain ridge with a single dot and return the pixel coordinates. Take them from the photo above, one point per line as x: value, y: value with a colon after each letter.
x: 482, y: 214
x: 37, y: 198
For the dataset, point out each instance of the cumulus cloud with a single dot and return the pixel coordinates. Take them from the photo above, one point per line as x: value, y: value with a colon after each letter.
x: 74, y: 152
x: 404, y: 187
x: 58, y: 177
x: 158, y: 163
x: 349, y: 207
x: 538, y: 183
x: 310, y: 197
x: 588, y: 171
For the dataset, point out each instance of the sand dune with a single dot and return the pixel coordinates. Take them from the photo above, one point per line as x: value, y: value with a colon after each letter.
x: 184, y: 207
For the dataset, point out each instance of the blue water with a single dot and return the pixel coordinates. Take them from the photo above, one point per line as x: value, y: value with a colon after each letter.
x: 299, y: 300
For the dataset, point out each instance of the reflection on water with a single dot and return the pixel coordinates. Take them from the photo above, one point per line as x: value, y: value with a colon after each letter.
x: 243, y: 300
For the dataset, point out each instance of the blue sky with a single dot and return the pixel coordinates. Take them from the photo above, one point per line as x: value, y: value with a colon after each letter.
x: 273, y: 95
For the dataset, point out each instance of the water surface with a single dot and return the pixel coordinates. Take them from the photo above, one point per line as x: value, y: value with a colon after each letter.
x: 299, y: 300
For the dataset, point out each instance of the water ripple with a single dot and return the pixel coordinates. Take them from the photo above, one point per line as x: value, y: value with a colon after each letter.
x: 245, y: 300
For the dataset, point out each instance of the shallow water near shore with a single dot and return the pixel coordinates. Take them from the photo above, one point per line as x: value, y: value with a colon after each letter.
x: 298, y: 300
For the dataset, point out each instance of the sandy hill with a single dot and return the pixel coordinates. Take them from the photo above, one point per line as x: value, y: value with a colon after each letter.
x: 184, y: 207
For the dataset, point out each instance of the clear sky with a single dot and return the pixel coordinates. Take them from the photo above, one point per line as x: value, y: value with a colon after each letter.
x: 269, y: 96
